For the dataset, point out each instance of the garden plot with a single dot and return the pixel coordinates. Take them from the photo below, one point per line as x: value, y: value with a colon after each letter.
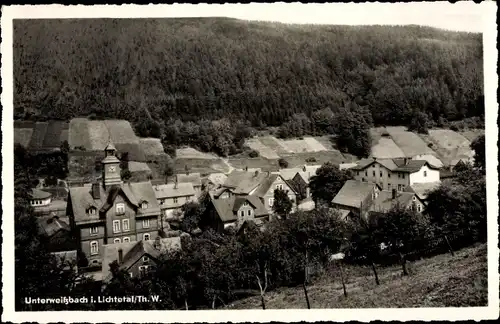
x: 296, y: 146
x: 263, y: 150
x: 38, y: 135
x: 326, y: 141
x: 274, y: 144
x: 410, y: 143
x: 52, y: 138
x: 98, y: 135
x: 23, y: 136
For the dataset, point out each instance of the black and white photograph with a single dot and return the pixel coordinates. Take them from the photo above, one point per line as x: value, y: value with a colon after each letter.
x: 304, y: 161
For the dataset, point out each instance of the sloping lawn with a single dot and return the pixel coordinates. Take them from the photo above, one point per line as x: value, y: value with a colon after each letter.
x: 440, y: 281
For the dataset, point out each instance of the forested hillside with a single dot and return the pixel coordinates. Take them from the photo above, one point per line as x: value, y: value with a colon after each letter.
x: 258, y: 72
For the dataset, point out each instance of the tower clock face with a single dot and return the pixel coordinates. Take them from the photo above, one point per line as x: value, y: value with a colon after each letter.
x: 112, y: 169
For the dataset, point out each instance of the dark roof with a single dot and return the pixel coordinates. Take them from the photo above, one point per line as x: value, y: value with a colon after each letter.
x: 398, y: 165
x: 353, y: 192
x: 39, y: 194
x: 135, y: 192
x: 133, y: 251
x: 217, y: 178
x: 236, y: 177
x: 384, y: 201
x: 50, y: 225
x: 226, y: 208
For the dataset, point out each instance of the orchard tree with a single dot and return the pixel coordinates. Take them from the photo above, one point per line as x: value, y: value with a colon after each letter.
x: 479, y: 147
x: 282, y: 204
x: 327, y: 182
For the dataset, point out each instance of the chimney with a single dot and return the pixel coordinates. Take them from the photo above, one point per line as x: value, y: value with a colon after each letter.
x: 96, y: 194
x: 120, y: 255
x: 405, y: 161
x: 394, y: 192
x: 246, y: 168
x: 304, y: 168
x: 176, y: 183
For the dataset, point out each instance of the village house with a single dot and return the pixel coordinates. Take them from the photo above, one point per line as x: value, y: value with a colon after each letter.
x: 44, y: 204
x: 386, y: 200
x: 395, y: 173
x: 56, y: 233
x: 213, y: 181
x: 422, y: 189
x: 171, y: 197
x: 193, y: 178
x: 112, y: 211
x: 259, y: 184
x: 234, y: 211
x: 299, y: 178
x: 136, y: 258
x: 355, y: 197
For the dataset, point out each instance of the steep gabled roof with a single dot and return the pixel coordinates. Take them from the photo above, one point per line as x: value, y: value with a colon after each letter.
x: 250, y: 182
x: 384, y: 201
x: 422, y: 189
x: 40, y: 194
x: 50, y: 225
x: 133, y: 251
x: 353, y: 192
x: 226, y: 208
x: 169, y: 190
x: 289, y: 173
x: 235, y: 178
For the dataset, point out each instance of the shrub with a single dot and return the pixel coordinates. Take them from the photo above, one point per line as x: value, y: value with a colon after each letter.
x: 283, y: 163
x: 311, y: 160
x: 253, y: 154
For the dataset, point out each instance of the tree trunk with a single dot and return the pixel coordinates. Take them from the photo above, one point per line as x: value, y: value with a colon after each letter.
x: 342, y: 277
x: 449, y: 246
x: 263, y: 301
x: 307, y: 297
x: 403, y: 264
x: 375, y: 273
x: 213, y: 303
x: 186, y: 303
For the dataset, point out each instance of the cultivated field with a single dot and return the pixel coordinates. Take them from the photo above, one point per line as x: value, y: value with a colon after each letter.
x: 386, y: 148
x: 23, y: 136
x: 441, y: 281
x: 191, y: 153
x: 410, y: 143
x: 203, y: 166
x: 264, y: 151
x: 98, y: 135
x: 472, y: 134
x: 449, y: 146
x: 151, y: 146
x: 79, y: 134
x: 258, y: 162
x: 274, y: 144
x: 121, y: 132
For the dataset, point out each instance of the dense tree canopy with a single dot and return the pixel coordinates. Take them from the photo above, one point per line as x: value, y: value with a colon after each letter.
x: 258, y: 72
x: 327, y: 182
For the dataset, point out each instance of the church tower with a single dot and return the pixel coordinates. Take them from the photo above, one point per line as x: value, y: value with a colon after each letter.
x: 111, y: 167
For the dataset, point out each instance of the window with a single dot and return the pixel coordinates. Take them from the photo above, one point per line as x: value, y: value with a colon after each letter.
x: 271, y: 201
x: 117, y: 240
x: 162, y: 201
x: 245, y: 203
x: 403, y: 176
x: 414, y: 198
x: 373, y: 173
x: 131, y: 274
x: 279, y: 186
x: 94, y: 247
x: 419, y: 208
x: 116, y: 226
x: 146, y: 237
x: 145, y: 258
x: 362, y: 179
x: 381, y: 174
x: 120, y: 208
x: 366, y: 173
x: 399, y: 187
x: 249, y: 212
x: 176, y: 200
x: 125, y: 225
x: 144, y: 205
x: 425, y: 173
x: 126, y: 239
x: 389, y: 186
x: 242, y: 213
x: 94, y: 230
x: 388, y: 175
x: 91, y: 211
x: 145, y: 223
